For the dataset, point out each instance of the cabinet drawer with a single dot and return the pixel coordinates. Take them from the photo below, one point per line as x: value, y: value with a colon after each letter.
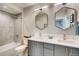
x: 35, y: 48
x: 48, y: 52
x: 74, y: 52
x: 48, y: 49
x: 48, y: 46
x: 60, y: 50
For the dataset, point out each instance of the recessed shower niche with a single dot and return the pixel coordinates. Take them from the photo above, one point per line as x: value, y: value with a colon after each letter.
x: 41, y: 20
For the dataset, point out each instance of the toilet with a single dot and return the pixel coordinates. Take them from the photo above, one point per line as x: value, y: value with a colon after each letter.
x: 22, y: 49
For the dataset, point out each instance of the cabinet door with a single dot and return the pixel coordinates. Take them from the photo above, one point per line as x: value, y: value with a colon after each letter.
x: 74, y: 52
x: 60, y: 50
x: 35, y: 48
x: 48, y: 49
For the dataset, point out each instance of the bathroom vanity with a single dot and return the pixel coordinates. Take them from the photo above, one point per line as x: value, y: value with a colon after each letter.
x: 52, y: 47
x: 64, y: 43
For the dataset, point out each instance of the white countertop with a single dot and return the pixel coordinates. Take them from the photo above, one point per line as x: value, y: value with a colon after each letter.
x: 58, y: 41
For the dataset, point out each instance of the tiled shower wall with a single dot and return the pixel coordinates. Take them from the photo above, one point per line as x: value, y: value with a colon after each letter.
x: 6, y: 28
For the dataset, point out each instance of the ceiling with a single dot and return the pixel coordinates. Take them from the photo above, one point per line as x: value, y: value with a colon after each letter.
x: 14, y: 8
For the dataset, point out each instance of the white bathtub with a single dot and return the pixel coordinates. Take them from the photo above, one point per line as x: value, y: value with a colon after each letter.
x: 9, y: 49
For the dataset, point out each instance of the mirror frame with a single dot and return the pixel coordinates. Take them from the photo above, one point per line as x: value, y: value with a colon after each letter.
x: 45, y: 25
x: 75, y: 19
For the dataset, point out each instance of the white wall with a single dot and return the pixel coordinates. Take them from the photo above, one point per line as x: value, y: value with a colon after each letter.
x: 29, y: 20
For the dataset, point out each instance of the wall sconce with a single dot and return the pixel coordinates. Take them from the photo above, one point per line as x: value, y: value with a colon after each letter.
x: 41, y: 8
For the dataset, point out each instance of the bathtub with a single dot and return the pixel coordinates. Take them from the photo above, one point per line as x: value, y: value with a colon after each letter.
x: 9, y: 49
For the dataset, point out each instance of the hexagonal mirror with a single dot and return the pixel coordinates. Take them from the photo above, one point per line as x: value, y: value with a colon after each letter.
x: 41, y: 20
x: 65, y: 18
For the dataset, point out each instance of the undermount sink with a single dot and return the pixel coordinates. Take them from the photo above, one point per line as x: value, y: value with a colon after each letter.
x: 70, y: 41
x: 66, y: 41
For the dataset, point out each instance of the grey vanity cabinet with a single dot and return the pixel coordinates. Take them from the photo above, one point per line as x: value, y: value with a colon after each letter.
x: 40, y: 49
x: 45, y: 49
x: 60, y: 50
x: 35, y: 48
x: 73, y: 52
x: 48, y: 49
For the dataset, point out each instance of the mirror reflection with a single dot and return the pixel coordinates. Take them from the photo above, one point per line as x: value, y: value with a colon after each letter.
x: 65, y: 18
